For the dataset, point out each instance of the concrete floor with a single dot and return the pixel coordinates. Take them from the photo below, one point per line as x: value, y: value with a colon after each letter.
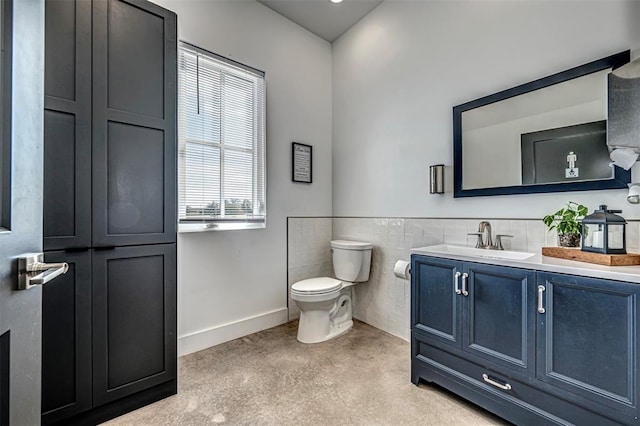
x: 269, y: 378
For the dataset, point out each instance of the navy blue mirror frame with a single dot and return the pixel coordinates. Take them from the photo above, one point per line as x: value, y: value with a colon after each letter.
x: 621, y: 177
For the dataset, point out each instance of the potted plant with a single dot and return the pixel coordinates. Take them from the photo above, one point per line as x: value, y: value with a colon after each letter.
x: 567, y: 222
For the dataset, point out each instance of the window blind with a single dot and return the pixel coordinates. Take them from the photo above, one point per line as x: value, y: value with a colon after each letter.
x: 221, y: 131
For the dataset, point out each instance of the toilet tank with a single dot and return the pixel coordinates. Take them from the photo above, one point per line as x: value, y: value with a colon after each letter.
x: 351, y: 260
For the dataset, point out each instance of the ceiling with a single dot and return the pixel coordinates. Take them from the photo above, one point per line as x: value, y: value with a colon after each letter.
x: 321, y: 17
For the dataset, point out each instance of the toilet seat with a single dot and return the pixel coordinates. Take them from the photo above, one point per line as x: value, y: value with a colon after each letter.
x: 316, y: 286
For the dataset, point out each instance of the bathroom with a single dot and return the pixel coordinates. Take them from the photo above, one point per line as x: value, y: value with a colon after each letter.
x: 375, y: 104
x: 372, y: 148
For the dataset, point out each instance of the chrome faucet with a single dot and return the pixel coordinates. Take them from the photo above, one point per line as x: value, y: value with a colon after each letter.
x: 485, y: 227
x: 482, y: 227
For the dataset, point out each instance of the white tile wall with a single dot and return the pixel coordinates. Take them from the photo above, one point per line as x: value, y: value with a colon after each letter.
x: 308, y: 253
x: 384, y: 301
x: 633, y: 236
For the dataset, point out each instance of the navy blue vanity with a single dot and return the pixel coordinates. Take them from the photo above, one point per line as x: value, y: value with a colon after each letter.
x: 529, y: 340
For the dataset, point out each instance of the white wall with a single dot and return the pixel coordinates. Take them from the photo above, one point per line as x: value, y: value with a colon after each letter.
x: 232, y: 283
x: 401, y: 69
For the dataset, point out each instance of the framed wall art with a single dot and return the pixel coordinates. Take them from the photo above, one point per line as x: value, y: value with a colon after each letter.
x: 301, y: 162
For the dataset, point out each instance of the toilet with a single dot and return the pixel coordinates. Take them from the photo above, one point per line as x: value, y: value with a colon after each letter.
x: 325, y: 303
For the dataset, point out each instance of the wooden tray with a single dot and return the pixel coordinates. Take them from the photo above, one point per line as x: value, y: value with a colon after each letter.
x: 597, y: 258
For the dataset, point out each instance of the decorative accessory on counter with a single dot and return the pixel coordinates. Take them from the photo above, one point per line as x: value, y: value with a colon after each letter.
x: 604, y: 232
x: 436, y: 179
x: 628, y: 259
x: 567, y: 222
x: 569, y: 240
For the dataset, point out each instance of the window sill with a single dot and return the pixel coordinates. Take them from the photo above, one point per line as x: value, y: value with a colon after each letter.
x: 185, y: 228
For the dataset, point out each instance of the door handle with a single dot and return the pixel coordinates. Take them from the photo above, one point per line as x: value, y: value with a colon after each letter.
x: 541, y: 290
x: 464, y: 284
x: 456, y: 283
x: 32, y: 270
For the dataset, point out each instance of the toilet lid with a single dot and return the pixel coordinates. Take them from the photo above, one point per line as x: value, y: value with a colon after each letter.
x: 317, y: 285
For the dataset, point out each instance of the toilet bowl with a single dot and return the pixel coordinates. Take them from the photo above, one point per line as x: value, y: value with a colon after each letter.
x: 325, y: 303
x: 325, y: 309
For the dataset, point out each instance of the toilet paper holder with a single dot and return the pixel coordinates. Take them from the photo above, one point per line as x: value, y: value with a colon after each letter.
x: 402, y: 269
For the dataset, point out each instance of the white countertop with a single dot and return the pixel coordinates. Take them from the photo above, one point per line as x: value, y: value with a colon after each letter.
x: 539, y: 262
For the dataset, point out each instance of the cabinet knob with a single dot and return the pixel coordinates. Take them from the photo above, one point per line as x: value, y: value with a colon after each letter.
x: 456, y: 283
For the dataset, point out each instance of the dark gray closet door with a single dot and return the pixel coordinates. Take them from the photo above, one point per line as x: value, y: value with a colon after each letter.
x: 134, y: 319
x: 66, y: 338
x: 134, y: 116
x: 67, y: 125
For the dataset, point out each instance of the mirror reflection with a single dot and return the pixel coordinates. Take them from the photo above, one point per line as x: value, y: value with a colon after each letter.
x: 530, y: 137
x: 543, y: 136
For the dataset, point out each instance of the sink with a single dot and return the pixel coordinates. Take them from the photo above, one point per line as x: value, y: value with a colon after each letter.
x: 476, y: 252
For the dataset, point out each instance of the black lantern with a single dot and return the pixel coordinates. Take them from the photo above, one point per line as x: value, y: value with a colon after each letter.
x: 604, y: 232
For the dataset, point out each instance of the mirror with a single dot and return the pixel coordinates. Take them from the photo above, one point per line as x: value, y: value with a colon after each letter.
x: 548, y: 135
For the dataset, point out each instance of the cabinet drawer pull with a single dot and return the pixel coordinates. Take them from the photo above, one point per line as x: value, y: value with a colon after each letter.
x: 456, y: 283
x: 464, y: 284
x: 541, y: 290
x: 489, y: 380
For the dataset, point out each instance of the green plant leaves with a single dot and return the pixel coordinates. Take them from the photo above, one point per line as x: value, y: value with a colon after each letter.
x: 567, y: 219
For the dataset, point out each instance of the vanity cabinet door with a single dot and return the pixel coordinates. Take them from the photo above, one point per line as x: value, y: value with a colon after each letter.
x: 499, y: 316
x: 436, y: 308
x: 587, y: 341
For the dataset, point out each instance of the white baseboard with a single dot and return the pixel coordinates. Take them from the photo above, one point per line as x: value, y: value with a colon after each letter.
x: 199, y: 340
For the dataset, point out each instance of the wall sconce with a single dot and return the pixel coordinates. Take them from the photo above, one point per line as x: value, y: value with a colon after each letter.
x: 634, y: 193
x: 436, y: 179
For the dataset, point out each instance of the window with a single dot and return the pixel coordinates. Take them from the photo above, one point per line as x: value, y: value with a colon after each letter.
x: 221, y: 142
